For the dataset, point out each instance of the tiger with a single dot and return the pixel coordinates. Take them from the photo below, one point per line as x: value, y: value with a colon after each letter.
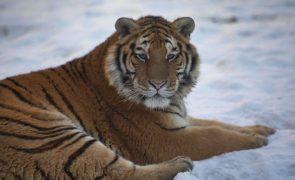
x: 117, y: 112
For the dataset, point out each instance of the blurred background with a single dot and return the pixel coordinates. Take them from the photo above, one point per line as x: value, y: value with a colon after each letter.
x: 247, y: 50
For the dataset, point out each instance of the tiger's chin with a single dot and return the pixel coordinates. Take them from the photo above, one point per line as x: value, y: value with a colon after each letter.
x: 156, y: 102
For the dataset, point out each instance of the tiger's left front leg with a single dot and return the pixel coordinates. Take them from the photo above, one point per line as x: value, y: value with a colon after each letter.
x: 203, y: 142
x: 256, y: 129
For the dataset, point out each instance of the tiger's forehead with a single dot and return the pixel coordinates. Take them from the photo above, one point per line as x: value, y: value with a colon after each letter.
x: 156, y: 32
x: 156, y: 40
x: 153, y: 20
x: 155, y: 25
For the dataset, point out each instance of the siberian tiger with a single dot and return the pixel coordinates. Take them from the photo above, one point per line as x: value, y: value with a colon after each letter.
x: 115, y: 113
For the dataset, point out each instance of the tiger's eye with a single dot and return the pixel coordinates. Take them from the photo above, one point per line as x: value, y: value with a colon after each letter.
x: 142, y: 56
x: 170, y: 57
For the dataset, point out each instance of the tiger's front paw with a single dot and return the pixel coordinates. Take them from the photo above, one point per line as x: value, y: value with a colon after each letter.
x: 261, y: 130
x: 259, y: 141
x: 182, y: 163
x: 165, y: 170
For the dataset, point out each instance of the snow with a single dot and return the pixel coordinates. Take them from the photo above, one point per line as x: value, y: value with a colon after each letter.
x: 247, y: 70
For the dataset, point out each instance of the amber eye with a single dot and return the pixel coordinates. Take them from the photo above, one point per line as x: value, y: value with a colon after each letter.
x: 170, y: 57
x: 142, y: 57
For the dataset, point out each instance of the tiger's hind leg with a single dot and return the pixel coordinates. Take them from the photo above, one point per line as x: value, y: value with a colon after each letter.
x: 255, y: 129
x: 74, y: 155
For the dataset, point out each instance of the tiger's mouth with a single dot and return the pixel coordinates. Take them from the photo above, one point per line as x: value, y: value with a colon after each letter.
x: 157, y: 95
x: 156, y: 101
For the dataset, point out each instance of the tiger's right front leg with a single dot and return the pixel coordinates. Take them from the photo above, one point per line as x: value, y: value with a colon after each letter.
x: 200, y: 143
x: 74, y: 155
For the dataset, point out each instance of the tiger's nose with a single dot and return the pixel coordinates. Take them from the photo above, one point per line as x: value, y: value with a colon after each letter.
x: 157, y: 84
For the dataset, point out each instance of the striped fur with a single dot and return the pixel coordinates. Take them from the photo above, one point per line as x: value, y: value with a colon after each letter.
x: 95, y: 117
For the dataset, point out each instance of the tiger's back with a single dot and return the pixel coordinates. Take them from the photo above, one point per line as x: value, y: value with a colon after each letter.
x: 48, y: 112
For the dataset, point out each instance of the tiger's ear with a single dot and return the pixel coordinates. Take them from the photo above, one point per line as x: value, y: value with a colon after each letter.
x: 184, y: 25
x: 125, y: 26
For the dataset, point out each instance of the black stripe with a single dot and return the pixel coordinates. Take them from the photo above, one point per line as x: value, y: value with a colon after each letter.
x: 72, y: 69
x: 170, y: 112
x: 188, y: 47
x: 155, y: 20
x: 180, y: 63
x: 175, y: 105
x: 50, y: 130
x: 112, y: 162
x: 74, y: 141
x: 169, y: 129
x: 74, y: 156
x: 19, y: 96
x: 194, y: 57
x: 168, y: 41
x: 164, y: 24
x: 51, y: 100
x: 79, y: 75
x: 194, y: 62
x: 155, y: 29
x: 83, y: 66
x: 146, y: 35
x: 19, y: 85
x: 180, y: 46
x: 124, y: 60
x: 43, y: 174
x: 126, y: 78
x: 165, y: 34
x: 8, y: 107
x: 132, y: 46
x: 81, y: 72
x: 67, y: 72
x: 146, y: 28
x: 120, y: 114
x: 99, y: 133
x: 47, y: 146
x: 21, y: 136
x: 63, y: 79
x: 149, y: 28
x: 176, y: 57
x: 28, y: 124
x: 122, y: 63
x: 99, y: 177
x: 70, y: 106
x: 59, y: 130
x: 186, y: 79
x: 117, y: 59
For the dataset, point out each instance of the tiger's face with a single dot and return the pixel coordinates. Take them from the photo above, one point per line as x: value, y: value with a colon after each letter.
x: 153, y: 60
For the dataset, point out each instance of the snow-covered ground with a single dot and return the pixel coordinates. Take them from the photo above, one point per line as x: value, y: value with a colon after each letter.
x: 247, y: 71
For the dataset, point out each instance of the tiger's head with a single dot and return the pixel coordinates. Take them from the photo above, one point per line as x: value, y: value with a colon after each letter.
x: 153, y: 60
